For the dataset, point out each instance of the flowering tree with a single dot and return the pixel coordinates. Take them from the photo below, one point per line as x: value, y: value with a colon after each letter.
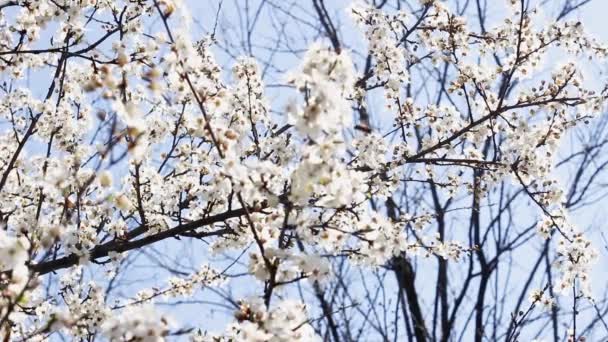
x: 407, y: 181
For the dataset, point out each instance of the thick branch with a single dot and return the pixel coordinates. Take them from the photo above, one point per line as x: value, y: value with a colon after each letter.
x: 119, y: 246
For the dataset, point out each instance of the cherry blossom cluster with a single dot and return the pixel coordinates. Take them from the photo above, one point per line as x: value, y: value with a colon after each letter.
x: 539, y: 296
x: 384, y: 33
x: 288, y: 322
